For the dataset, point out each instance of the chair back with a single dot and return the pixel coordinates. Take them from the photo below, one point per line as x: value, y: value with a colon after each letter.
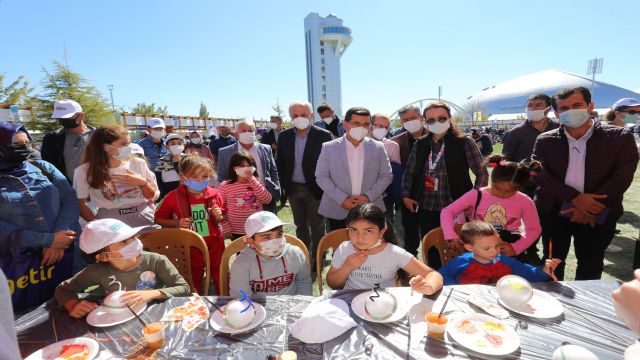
x: 176, y: 244
x: 435, y: 238
x: 330, y: 241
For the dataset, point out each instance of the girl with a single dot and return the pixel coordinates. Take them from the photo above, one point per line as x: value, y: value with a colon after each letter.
x: 368, y: 259
x: 195, y: 205
x: 502, y: 205
x: 243, y: 193
x: 167, y: 168
x: 120, y: 186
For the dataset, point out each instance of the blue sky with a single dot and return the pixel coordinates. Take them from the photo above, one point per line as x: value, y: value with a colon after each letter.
x: 240, y: 57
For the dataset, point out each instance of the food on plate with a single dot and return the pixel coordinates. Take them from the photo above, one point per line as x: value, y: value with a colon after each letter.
x: 466, y: 327
x: 74, y: 352
x: 489, y: 307
x: 380, y: 305
x: 239, y: 314
x: 493, y: 326
x: 495, y: 340
x: 437, y: 324
x: 191, y: 314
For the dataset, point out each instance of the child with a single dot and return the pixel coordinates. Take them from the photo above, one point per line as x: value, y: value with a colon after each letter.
x: 167, y: 170
x: 243, y: 193
x: 121, y: 265
x: 484, y: 264
x: 367, y: 259
x: 196, y: 206
x: 268, y: 264
x: 503, y: 206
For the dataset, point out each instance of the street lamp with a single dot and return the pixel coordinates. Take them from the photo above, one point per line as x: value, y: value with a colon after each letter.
x: 113, y: 107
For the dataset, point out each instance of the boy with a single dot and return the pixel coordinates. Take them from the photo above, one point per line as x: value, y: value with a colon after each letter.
x: 484, y: 264
x: 121, y: 265
x: 269, y: 265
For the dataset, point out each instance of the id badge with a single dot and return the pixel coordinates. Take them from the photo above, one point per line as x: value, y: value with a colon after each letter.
x: 430, y: 183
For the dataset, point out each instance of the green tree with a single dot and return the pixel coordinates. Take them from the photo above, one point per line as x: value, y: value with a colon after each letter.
x: 150, y: 109
x: 63, y: 83
x: 204, y: 113
x: 16, y: 92
x: 277, y: 109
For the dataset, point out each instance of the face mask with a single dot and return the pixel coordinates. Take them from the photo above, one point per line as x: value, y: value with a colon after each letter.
x: 195, y: 185
x: 273, y: 125
x: 272, y: 247
x: 412, y: 126
x: 248, y: 137
x: 176, y: 149
x: 157, y: 134
x: 328, y: 120
x: 535, y: 115
x: 630, y: 119
x: 196, y: 140
x: 132, y: 250
x: 17, y: 154
x: 301, y: 123
x: 378, y: 243
x: 438, y: 127
x: 68, y: 123
x: 358, y: 133
x: 124, y: 153
x: 574, y: 118
x: 379, y: 133
x: 245, y: 171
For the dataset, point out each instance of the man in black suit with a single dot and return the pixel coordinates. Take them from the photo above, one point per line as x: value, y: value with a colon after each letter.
x: 299, y: 150
x: 271, y: 137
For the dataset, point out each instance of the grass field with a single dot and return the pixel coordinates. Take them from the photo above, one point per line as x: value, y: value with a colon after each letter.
x: 617, y: 265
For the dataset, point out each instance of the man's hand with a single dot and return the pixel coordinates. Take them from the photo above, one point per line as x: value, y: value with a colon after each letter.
x: 588, y: 203
x: 354, y: 260
x: 410, y: 204
x: 360, y: 199
x: 580, y: 217
x: 348, y: 203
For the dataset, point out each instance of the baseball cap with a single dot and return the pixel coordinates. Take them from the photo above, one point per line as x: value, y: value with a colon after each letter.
x: 173, y: 136
x: 103, y: 232
x: 136, y: 149
x: 260, y: 222
x: 65, y: 108
x: 625, y: 102
x: 155, y: 122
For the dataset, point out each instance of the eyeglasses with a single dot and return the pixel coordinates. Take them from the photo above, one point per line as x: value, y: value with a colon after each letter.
x: 441, y: 119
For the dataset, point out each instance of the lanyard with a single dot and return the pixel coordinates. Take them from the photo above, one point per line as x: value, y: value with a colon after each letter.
x: 284, y: 265
x: 433, y: 164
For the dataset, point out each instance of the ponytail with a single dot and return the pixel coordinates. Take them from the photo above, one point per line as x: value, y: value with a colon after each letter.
x: 517, y: 174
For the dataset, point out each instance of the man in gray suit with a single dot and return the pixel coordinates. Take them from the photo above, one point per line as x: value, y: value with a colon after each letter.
x: 352, y: 169
x: 266, y: 164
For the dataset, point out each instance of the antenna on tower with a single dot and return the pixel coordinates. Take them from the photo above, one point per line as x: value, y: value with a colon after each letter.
x: 594, y: 67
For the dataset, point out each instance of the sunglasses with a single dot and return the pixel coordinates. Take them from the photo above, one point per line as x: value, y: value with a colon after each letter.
x: 441, y: 119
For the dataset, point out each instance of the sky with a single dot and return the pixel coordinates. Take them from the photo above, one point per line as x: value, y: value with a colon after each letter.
x: 241, y: 57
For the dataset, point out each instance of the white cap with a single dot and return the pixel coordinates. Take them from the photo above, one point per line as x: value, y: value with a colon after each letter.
x: 136, y: 149
x: 103, y: 232
x: 65, y: 108
x: 173, y: 136
x: 155, y: 122
x: 260, y: 222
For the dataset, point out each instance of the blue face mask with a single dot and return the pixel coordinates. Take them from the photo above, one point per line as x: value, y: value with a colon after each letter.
x: 196, y: 185
x: 574, y: 118
x: 630, y: 118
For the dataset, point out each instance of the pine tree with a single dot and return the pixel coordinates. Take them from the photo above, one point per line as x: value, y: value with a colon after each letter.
x: 204, y: 113
x: 149, y: 109
x: 16, y: 92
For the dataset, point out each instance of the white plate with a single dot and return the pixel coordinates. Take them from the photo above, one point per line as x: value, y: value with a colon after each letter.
x: 218, y: 324
x: 541, y: 306
x: 477, y: 341
x: 104, y: 316
x: 357, y: 305
x: 51, y: 352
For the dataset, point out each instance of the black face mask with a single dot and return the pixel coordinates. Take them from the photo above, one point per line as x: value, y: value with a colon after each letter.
x: 17, y: 154
x: 69, y: 123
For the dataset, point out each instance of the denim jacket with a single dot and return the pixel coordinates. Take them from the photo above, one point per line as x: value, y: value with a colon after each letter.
x: 32, y: 208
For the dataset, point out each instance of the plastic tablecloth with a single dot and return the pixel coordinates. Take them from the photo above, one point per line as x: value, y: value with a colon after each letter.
x: 404, y: 339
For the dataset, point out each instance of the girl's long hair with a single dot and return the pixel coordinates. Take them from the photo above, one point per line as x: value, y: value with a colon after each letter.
x: 98, y: 159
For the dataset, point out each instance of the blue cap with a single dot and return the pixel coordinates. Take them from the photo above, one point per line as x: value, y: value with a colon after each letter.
x: 625, y: 102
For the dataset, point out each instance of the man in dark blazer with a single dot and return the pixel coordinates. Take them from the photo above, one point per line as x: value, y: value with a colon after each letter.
x: 299, y: 150
x: 271, y: 137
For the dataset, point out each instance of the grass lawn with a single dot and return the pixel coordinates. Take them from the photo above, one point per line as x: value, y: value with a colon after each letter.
x: 617, y: 265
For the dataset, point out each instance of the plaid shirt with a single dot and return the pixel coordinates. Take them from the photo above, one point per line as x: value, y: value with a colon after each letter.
x: 437, y: 200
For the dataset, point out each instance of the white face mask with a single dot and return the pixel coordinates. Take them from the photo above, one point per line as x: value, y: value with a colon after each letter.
x: 245, y: 171
x: 536, y: 115
x: 301, y: 123
x: 273, y: 125
x: 131, y: 250
x: 327, y: 120
x: 438, y: 127
x: 247, y: 137
x: 176, y: 149
x: 272, y: 247
x: 358, y: 133
x: 378, y: 243
x: 574, y: 118
x: 157, y: 134
x: 412, y: 126
x: 124, y: 153
x: 380, y: 133
x: 196, y: 140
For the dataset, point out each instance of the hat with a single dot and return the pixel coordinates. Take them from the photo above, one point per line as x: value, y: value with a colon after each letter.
x: 103, y: 232
x: 155, y: 122
x: 136, y: 149
x: 624, y: 102
x: 65, y: 108
x: 322, y: 321
x: 173, y: 136
x: 260, y: 222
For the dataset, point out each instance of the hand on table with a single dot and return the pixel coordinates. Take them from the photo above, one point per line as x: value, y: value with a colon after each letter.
x: 82, y: 308
x: 51, y: 256
x: 135, y: 297
x: 550, y: 266
x: 420, y: 284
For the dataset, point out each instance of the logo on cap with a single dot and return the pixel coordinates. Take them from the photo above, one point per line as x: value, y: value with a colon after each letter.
x: 115, y: 227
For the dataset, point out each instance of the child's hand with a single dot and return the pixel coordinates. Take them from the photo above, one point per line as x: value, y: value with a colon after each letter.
x: 507, y: 249
x: 135, y: 297
x: 550, y: 266
x: 456, y: 244
x: 421, y: 285
x: 185, y: 223
x: 354, y: 260
x: 82, y: 308
x: 215, y: 213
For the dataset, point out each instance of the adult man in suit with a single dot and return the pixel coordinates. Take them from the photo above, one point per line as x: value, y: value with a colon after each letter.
x: 271, y: 137
x: 586, y: 168
x: 352, y: 169
x: 266, y: 164
x: 300, y: 149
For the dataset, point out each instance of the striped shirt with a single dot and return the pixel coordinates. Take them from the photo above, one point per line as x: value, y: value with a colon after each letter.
x: 243, y: 200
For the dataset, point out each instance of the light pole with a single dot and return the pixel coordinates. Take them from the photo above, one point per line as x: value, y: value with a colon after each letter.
x: 594, y: 67
x: 113, y: 107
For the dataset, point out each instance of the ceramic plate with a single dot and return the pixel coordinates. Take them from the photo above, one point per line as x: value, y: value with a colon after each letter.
x: 104, y: 316
x: 218, y: 324
x: 483, y: 334
x: 541, y: 306
x: 52, y: 351
x: 357, y: 306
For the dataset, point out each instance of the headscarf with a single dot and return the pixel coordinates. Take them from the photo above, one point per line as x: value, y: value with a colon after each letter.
x: 7, y: 132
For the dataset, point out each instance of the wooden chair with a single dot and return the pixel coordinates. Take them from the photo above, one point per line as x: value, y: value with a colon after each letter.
x: 176, y: 245
x: 330, y: 241
x: 435, y: 238
x: 237, y: 246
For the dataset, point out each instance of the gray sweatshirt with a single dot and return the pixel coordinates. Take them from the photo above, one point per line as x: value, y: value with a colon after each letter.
x: 285, y: 274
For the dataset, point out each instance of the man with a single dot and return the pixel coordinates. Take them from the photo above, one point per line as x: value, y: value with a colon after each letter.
x: 261, y: 153
x: 380, y: 125
x: 627, y: 111
x: 329, y: 121
x: 586, y: 168
x: 300, y: 149
x: 64, y: 147
x: 223, y: 139
x: 483, y: 141
x: 153, y: 145
x: 352, y: 169
x: 271, y: 137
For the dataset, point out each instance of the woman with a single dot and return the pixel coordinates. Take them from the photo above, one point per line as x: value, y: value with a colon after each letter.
x: 38, y: 219
x: 197, y: 146
x: 120, y: 186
